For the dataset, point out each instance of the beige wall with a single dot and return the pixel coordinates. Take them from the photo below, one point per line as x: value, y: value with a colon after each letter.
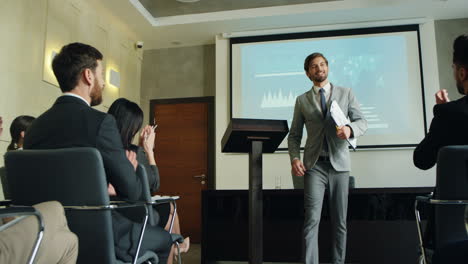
x: 177, y: 73
x: 446, y: 32
x: 31, y: 29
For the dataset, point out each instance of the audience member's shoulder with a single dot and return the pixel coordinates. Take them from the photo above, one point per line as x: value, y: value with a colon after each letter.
x: 452, y: 107
x: 99, y: 118
x: 97, y: 112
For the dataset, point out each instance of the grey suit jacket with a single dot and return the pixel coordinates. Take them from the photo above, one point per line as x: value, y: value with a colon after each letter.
x: 307, y: 112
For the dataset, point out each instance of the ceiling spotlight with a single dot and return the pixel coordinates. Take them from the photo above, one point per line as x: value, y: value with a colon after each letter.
x: 187, y: 1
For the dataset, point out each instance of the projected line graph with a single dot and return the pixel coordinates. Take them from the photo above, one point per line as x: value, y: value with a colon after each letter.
x: 276, y: 100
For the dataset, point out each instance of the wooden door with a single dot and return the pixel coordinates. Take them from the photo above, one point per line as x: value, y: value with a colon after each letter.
x: 181, y: 152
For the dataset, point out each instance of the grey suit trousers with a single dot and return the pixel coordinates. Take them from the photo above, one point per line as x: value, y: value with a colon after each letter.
x: 321, y: 177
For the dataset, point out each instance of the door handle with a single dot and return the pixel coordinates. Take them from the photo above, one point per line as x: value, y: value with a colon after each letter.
x: 202, y: 176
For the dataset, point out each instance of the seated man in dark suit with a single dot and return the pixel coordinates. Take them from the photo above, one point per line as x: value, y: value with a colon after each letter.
x: 71, y: 122
x: 449, y: 125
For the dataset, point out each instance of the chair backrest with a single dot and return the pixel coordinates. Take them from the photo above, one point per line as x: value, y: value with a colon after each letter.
x: 146, y: 193
x: 137, y: 214
x: 74, y: 177
x: 451, y: 184
x: 4, y: 181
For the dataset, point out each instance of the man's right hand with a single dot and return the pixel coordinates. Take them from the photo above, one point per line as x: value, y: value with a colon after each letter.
x: 298, y: 167
x: 442, y: 97
x: 131, y: 156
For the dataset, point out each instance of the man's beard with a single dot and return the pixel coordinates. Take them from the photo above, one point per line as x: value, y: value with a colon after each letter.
x: 460, y: 87
x: 319, y: 78
x: 96, y: 94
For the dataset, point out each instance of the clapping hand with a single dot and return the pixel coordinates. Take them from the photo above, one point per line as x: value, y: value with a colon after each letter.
x: 147, y: 136
x: 442, y: 97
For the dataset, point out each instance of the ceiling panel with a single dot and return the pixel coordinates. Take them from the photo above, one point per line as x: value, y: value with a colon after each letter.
x: 166, y: 8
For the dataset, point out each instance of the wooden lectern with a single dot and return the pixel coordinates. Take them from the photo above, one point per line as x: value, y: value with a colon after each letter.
x: 254, y: 136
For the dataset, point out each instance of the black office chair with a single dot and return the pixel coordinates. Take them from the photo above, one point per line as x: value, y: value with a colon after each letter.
x: 21, y: 213
x: 4, y: 181
x: 76, y: 178
x: 449, y: 201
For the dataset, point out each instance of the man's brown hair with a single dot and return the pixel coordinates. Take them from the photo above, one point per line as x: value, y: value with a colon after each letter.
x: 72, y: 60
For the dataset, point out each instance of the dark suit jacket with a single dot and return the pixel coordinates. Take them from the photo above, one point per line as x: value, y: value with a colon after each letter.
x: 72, y: 123
x: 448, y: 127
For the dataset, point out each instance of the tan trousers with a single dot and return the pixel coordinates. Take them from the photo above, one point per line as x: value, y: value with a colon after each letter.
x: 59, y: 244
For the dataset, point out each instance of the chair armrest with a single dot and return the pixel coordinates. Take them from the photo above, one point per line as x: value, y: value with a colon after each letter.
x: 165, y: 200
x: 21, y: 212
x: 162, y: 201
x: 424, y: 199
x: 448, y: 202
x: 18, y: 211
x: 24, y: 211
x: 5, y: 203
x: 114, y: 205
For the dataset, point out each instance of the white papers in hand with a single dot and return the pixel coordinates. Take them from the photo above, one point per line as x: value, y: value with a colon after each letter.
x: 341, y: 120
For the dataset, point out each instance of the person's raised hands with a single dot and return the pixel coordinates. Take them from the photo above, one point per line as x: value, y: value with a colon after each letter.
x: 147, y: 137
x: 442, y: 97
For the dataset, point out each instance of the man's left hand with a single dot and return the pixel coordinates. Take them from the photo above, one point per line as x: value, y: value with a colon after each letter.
x: 343, y: 132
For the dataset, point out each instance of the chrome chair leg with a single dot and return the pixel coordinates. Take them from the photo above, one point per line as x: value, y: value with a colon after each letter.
x: 418, y: 224
x: 145, y: 221
x: 179, y: 259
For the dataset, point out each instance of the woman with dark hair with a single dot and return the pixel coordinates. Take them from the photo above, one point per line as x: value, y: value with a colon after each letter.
x: 17, y: 130
x: 129, y: 118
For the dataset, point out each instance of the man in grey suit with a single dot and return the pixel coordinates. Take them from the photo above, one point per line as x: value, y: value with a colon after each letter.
x: 326, y: 155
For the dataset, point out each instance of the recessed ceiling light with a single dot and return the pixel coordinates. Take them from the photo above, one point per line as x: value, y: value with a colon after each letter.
x: 187, y: 1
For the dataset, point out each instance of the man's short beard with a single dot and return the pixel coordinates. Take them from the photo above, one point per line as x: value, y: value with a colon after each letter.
x: 96, y: 95
x: 320, y: 78
x: 96, y: 101
x: 460, y: 88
